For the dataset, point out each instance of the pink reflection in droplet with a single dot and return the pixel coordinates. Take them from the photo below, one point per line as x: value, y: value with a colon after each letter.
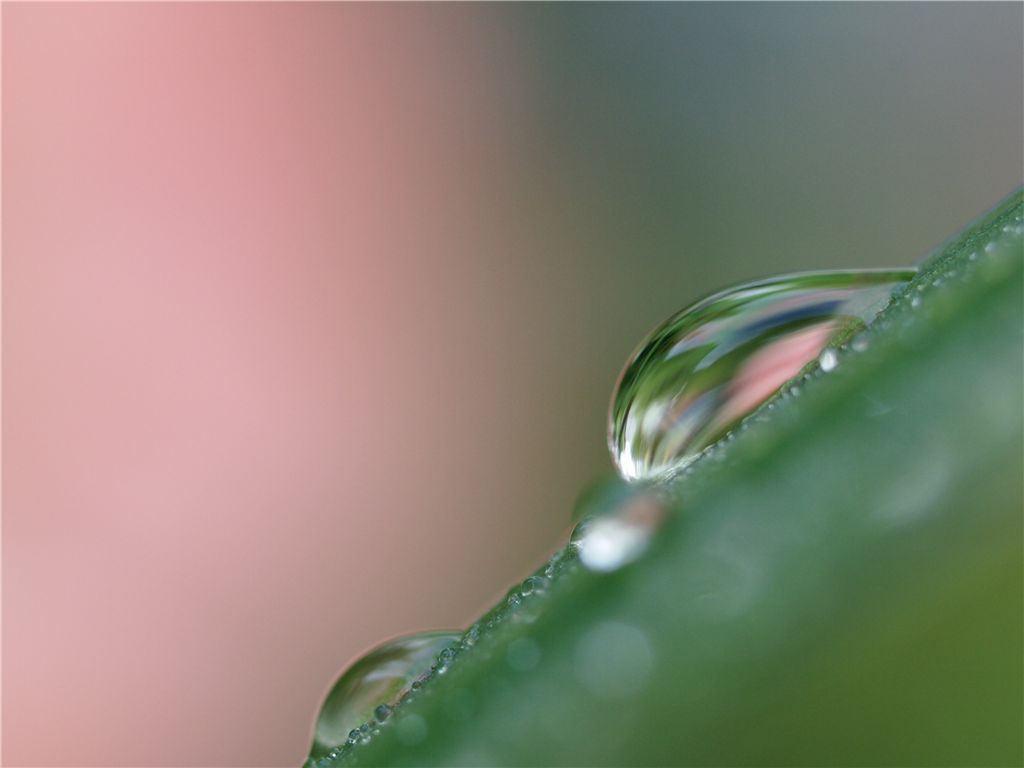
x: 768, y: 369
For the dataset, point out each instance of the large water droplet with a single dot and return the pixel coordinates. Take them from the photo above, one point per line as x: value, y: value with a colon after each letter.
x: 706, y: 367
x: 368, y: 688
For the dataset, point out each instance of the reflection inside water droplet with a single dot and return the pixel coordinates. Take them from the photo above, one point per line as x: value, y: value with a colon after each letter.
x: 705, y: 368
x: 368, y: 688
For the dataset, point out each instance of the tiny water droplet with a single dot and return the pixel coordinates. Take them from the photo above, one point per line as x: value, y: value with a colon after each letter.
x: 708, y: 366
x: 472, y: 636
x: 369, y: 687
x: 444, y: 660
x: 828, y: 360
x: 560, y: 562
x: 606, y: 542
x: 533, y: 585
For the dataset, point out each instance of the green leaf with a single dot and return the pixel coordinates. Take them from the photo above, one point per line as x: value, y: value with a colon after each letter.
x: 838, y: 583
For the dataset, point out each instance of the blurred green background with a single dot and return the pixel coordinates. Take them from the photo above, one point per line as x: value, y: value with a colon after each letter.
x: 321, y: 350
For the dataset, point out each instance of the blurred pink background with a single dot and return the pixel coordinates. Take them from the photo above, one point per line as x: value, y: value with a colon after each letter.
x: 258, y: 310
x: 311, y: 313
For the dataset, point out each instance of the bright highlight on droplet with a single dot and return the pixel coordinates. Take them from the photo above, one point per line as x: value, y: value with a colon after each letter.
x: 708, y: 366
x: 828, y: 360
x: 368, y: 689
x: 607, y: 542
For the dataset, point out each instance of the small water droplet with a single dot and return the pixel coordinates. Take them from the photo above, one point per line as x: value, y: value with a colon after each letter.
x: 697, y: 375
x: 444, y: 660
x: 609, y: 541
x: 369, y: 687
x: 560, y: 562
x: 533, y: 585
x: 861, y: 343
x: 828, y: 360
x: 915, y: 302
x: 472, y: 636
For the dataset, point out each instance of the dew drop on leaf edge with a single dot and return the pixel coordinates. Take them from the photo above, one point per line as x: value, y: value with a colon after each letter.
x: 699, y: 373
x: 370, y: 686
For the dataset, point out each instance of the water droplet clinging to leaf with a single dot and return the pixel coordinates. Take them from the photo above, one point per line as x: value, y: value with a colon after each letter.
x: 374, y: 683
x: 617, y: 536
x: 708, y: 366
